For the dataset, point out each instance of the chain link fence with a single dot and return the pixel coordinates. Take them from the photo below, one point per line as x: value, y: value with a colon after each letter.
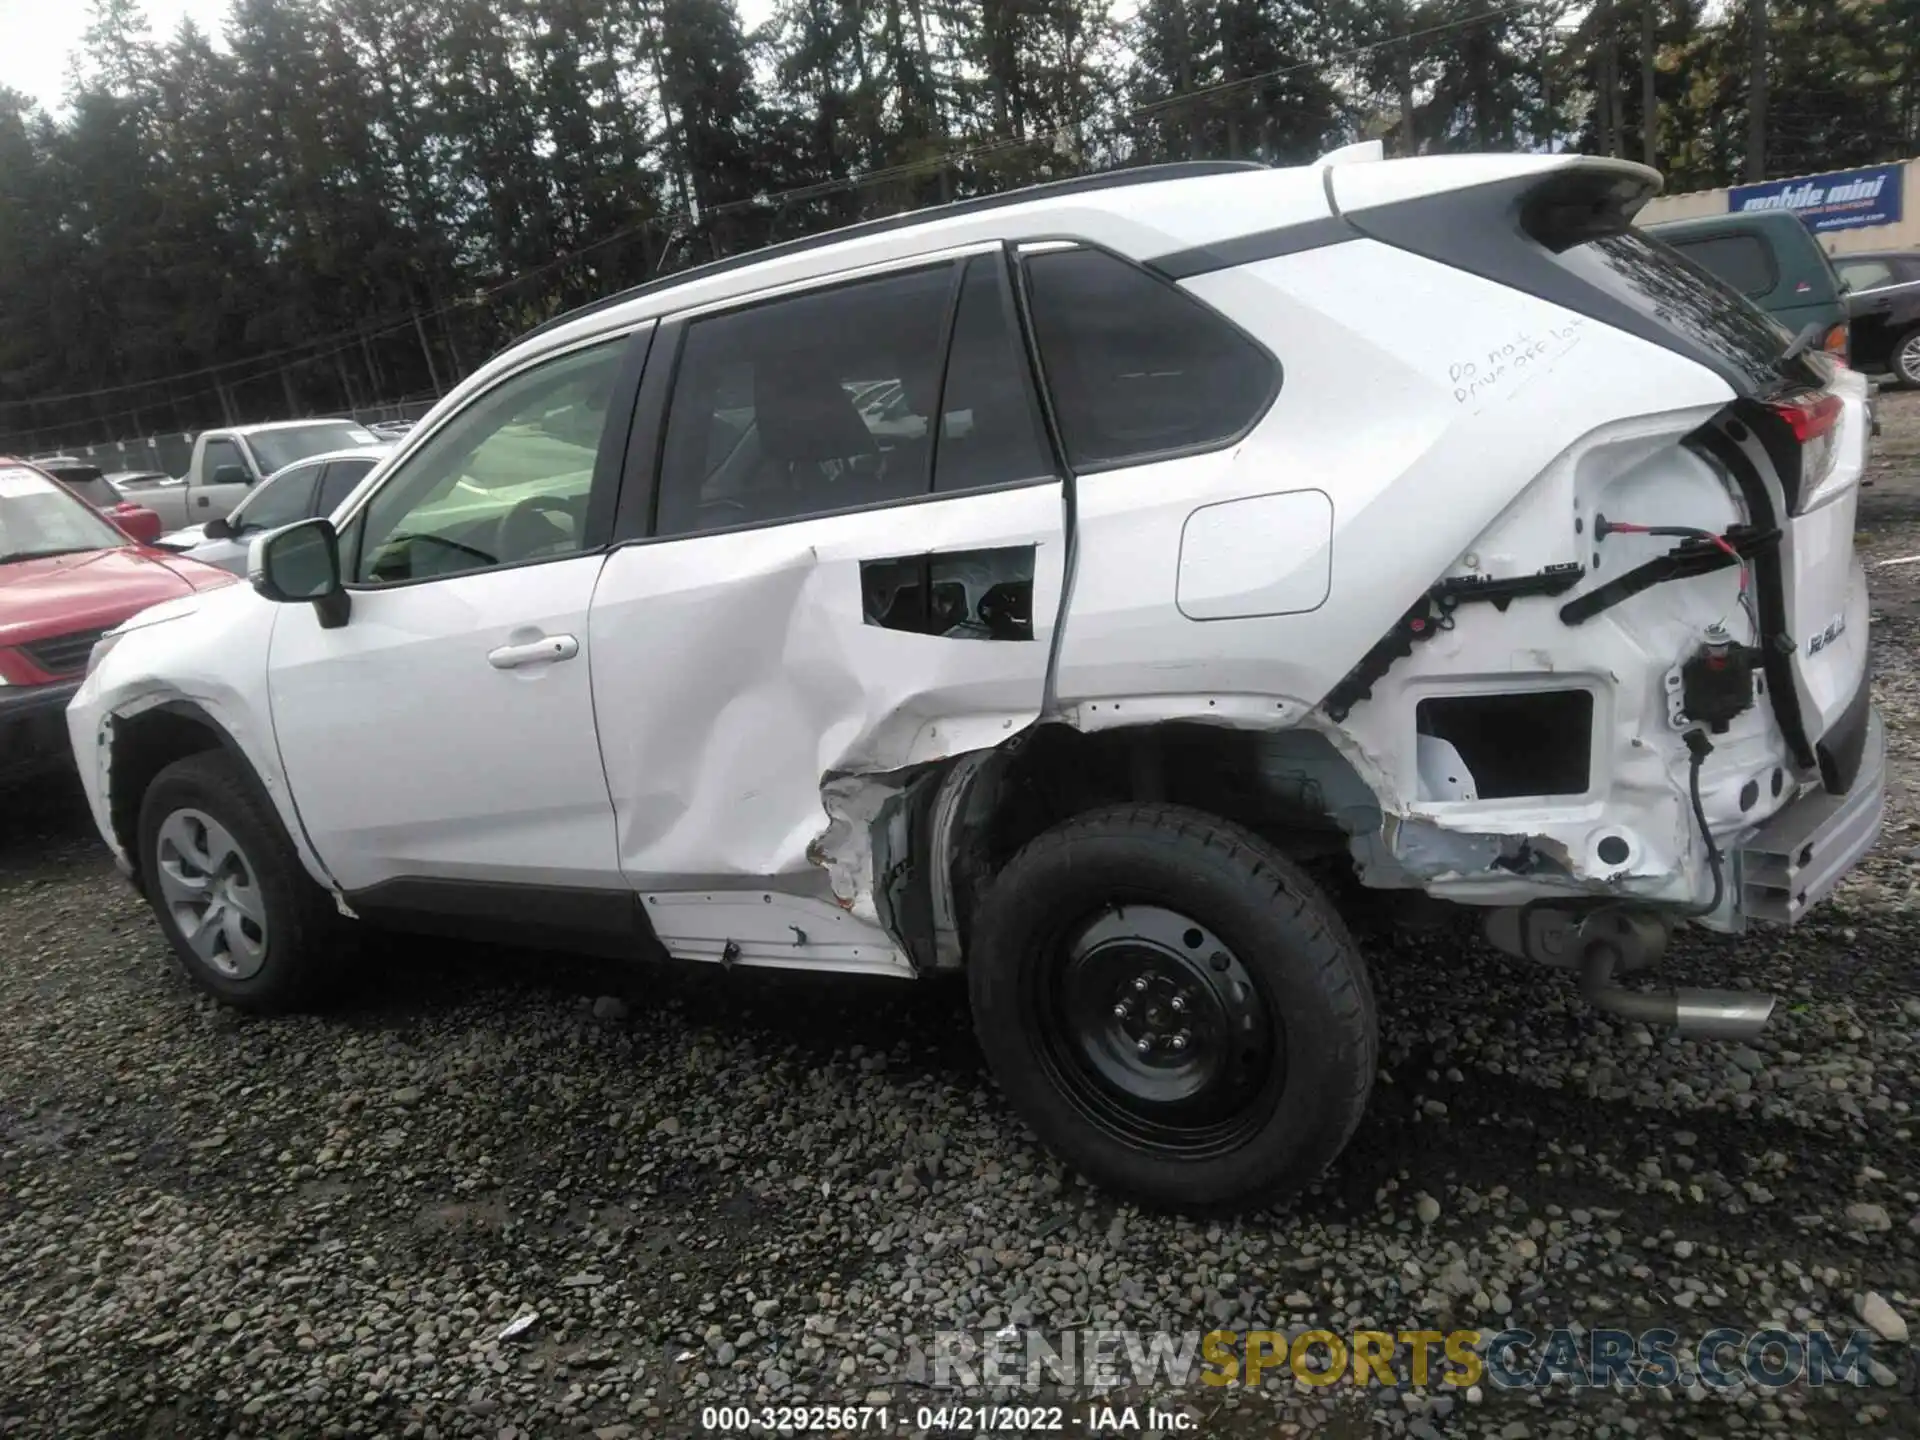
x: 171, y: 454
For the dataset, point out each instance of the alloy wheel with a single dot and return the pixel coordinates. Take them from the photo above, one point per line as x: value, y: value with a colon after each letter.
x: 1908, y: 360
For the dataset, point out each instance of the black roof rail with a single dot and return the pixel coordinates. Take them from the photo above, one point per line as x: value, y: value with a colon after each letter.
x: 1100, y: 180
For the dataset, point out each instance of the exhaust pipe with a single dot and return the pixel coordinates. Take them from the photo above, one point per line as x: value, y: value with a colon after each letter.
x: 1708, y: 1014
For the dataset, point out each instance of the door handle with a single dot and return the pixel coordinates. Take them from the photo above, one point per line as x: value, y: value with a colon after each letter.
x: 203, y: 502
x: 534, y: 652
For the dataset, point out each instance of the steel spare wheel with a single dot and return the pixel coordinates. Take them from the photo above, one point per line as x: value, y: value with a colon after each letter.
x: 1157, y: 1032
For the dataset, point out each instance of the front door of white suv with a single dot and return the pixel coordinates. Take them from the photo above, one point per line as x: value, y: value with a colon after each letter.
x: 445, y: 732
x: 847, y: 557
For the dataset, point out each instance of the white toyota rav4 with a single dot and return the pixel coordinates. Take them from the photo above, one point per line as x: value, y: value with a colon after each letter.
x: 1035, y: 586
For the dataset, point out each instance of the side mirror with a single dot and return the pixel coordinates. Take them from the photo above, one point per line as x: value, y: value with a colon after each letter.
x: 138, y: 521
x: 231, y: 475
x: 302, y: 562
x: 218, y: 528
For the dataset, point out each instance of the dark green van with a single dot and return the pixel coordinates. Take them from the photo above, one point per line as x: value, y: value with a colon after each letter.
x: 1773, y: 259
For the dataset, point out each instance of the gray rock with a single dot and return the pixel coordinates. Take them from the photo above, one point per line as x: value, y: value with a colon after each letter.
x: 1880, y: 1317
x: 1864, y: 1215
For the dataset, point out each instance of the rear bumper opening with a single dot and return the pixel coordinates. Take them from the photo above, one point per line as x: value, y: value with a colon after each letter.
x: 1800, y: 856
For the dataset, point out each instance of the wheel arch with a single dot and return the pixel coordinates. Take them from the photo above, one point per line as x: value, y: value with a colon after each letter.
x: 141, y: 742
x: 1292, y: 787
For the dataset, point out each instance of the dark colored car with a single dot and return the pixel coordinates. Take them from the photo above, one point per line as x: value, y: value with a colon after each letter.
x: 1883, y: 297
x: 66, y: 576
x: 1770, y: 257
x: 89, y: 482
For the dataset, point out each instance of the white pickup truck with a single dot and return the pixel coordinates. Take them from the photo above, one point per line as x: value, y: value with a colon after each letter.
x: 227, y: 464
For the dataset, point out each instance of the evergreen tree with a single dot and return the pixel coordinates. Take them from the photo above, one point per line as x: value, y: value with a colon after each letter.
x: 352, y: 201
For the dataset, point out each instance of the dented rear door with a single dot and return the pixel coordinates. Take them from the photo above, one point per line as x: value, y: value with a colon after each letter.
x: 847, y: 554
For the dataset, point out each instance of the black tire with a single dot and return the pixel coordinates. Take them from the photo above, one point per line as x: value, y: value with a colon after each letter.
x: 300, y: 957
x: 1270, y: 1120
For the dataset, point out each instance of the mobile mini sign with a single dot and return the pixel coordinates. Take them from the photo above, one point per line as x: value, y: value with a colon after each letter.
x: 1846, y: 200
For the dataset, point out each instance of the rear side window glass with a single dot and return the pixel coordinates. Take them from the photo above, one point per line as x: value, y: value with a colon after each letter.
x: 1742, y: 261
x: 989, y: 426
x: 1866, y: 274
x: 88, y: 483
x: 800, y: 406
x: 1136, y: 368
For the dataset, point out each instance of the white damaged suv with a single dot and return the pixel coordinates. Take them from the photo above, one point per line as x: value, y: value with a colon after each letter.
x: 1038, y: 585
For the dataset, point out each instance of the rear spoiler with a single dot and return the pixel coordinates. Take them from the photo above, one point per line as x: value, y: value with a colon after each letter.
x: 1559, y: 199
x: 1510, y: 219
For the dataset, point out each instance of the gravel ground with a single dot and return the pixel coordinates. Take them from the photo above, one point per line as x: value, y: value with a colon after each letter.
x: 752, y: 1188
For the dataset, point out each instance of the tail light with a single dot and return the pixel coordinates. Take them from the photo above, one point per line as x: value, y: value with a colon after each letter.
x: 1814, y: 418
x: 1836, y: 342
x: 1811, y: 415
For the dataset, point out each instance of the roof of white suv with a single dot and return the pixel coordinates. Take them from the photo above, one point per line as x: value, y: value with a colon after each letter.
x: 1183, y: 218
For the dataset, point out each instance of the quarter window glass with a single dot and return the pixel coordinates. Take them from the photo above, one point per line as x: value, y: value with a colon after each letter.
x: 989, y: 428
x: 1135, y: 367
x: 281, y: 501
x: 1740, y: 260
x: 503, y: 482
x: 805, y: 405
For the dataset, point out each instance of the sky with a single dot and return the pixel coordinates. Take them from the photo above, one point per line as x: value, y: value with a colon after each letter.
x: 40, y: 35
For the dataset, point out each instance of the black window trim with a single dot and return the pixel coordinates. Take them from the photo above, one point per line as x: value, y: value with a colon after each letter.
x: 637, y: 519
x: 1056, y: 244
x: 1686, y: 243
x: 937, y: 421
x: 602, y: 493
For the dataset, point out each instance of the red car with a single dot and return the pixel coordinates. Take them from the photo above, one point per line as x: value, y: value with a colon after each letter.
x: 66, y: 576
